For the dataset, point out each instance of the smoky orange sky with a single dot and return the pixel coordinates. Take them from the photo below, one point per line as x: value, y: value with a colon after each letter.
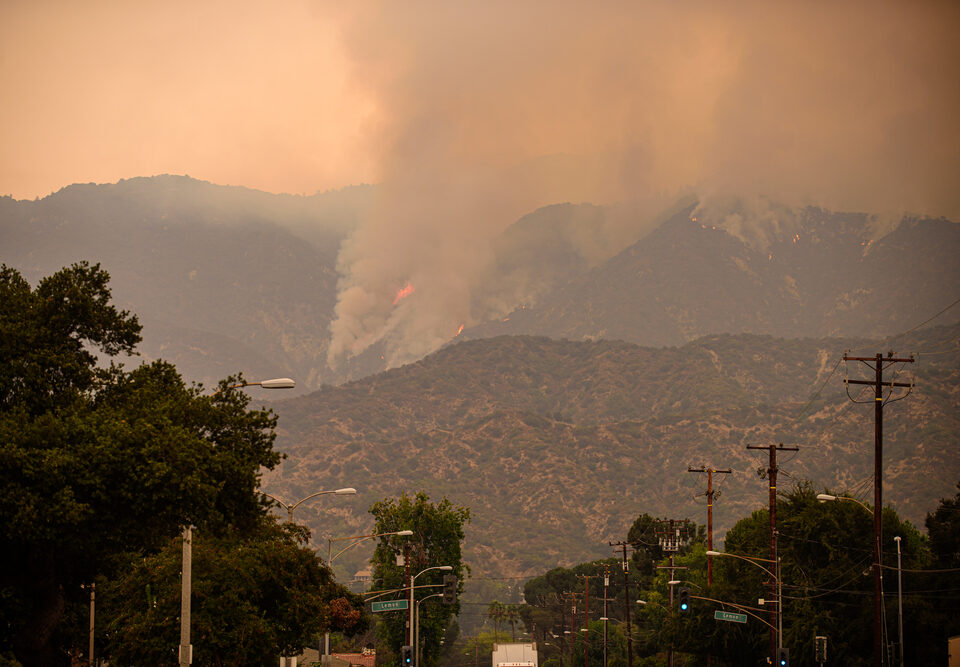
x: 850, y: 103
x: 472, y: 113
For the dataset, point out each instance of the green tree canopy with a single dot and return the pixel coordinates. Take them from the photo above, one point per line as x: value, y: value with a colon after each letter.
x: 96, y: 461
x: 258, y: 594
x: 825, y: 551
x: 943, y: 526
x: 436, y: 541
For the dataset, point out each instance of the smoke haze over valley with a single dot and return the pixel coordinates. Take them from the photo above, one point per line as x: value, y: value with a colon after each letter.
x: 473, y: 232
x: 475, y: 114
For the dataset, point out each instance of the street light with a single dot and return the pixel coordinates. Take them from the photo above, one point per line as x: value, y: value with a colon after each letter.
x: 358, y: 539
x: 186, y: 576
x: 416, y: 634
x: 753, y: 561
x: 644, y: 603
x: 348, y: 491
x: 877, y: 565
x: 826, y: 498
x: 413, y: 579
x: 899, y: 597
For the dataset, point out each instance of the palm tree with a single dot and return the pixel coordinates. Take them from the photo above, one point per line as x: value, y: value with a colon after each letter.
x: 496, y: 612
x: 512, y: 613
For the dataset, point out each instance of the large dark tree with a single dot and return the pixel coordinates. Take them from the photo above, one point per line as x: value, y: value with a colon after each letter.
x: 825, y: 550
x: 943, y: 526
x: 96, y: 461
x: 436, y: 541
x: 258, y: 594
x: 826, y: 553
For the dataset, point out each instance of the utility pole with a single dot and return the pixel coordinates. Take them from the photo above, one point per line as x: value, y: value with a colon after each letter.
x: 406, y: 568
x: 710, y: 497
x: 573, y: 625
x: 879, y: 364
x: 626, y: 600
x: 775, y: 639
x: 606, y: 585
x: 586, y: 620
x: 670, y: 541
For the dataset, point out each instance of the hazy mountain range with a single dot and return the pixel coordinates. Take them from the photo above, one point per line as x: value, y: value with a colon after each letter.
x: 610, y: 349
x: 556, y: 446
x: 228, y: 279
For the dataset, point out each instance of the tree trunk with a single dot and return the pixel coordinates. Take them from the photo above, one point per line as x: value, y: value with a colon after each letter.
x: 46, y: 603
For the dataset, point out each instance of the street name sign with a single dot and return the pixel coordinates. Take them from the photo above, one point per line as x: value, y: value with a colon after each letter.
x: 392, y: 605
x: 729, y: 616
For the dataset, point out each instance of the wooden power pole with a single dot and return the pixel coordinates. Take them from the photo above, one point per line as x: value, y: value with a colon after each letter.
x: 626, y: 600
x: 879, y: 364
x: 710, y: 496
x: 775, y: 599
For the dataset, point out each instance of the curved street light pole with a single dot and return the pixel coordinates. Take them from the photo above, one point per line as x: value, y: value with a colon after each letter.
x: 776, y: 577
x: 826, y: 498
x: 413, y: 579
x: 416, y: 634
x: 877, y: 552
x: 899, y: 598
x: 186, y: 577
x: 357, y: 540
x: 348, y: 491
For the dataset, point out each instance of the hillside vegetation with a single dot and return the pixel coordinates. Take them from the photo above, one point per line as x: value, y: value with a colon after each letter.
x: 556, y: 446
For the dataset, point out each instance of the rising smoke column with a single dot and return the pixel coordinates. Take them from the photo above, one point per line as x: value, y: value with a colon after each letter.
x: 487, y: 110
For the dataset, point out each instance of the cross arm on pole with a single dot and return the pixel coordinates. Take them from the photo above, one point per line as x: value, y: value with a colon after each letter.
x: 873, y: 383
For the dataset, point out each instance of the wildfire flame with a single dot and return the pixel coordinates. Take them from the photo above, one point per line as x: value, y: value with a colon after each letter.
x: 459, y: 331
x: 403, y: 293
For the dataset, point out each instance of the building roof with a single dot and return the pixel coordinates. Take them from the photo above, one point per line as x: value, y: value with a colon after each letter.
x: 357, y: 658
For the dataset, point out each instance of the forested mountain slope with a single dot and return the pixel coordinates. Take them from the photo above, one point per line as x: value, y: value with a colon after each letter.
x: 556, y: 446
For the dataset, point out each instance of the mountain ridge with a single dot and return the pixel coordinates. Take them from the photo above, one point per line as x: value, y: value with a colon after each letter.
x: 566, y: 442
x: 228, y: 279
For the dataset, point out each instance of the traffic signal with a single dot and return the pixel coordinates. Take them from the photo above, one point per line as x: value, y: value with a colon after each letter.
x: 449, y: 588
x: 684, y: 599
x: 820, y: 645
x: 406, y: 656
x: 783, y: 657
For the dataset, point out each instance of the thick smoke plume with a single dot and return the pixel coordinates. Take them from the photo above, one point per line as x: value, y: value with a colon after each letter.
x: 487, y: 110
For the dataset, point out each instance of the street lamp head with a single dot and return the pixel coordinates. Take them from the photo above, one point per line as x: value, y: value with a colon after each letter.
x: 674, y: 582
x: 404, y: 533
x: 445, y: 568
x: 714, y: 553
x: 349, y: 491
x: 896, y: 539
x: 641, y: 602
x: 278, y: 383
x: 825, y: 497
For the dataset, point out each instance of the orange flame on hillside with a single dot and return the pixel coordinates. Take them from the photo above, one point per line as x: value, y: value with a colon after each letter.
x: 459, y: 331
x: 405, y: 292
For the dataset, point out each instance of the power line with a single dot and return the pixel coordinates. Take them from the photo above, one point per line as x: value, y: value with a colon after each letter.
x: 930, y: 319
